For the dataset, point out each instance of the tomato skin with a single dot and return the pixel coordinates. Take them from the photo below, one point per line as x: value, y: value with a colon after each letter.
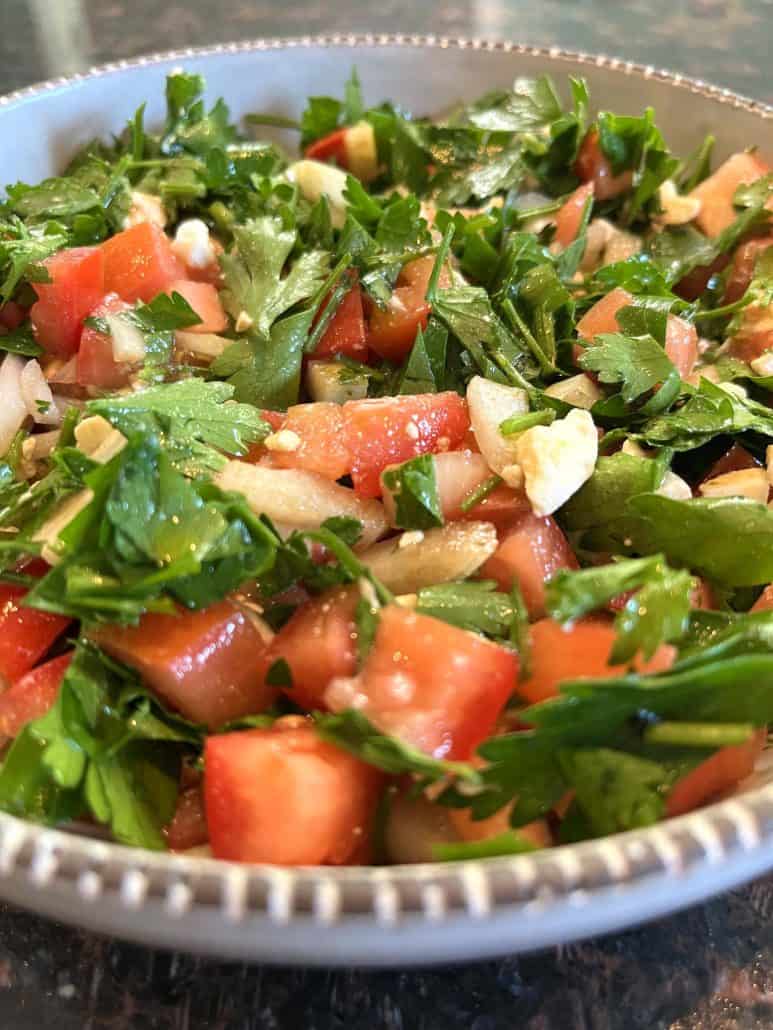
x: 691, y: 286
x: 579, y: 649
x: 569, y: 215
x: 31, y: 696
x: 209, y: 665
x: 531, y: 551
x: 188, y: 826
x: 432, y: 685
x: 329, y: 148
x: 764, y: 602
x: 283, y: 795
x: 139, y: 263
x: 392, y: 332
x: 11, y: 315
x: 734, y: 459
x: 536, y: 833
x: 742, y: 271
x: 25, y: 633
x: 755, y: 335
x: 681, y: 344
x: 319, y: 643
x: 346, y: 332
x: 96, y: 365
x: 717, y: 774
x: 77, y: 285
x: 389, y: 430
x: 592, y: 165
x: 205, y: 301
x: 717, y: 191
x: 322, y: 448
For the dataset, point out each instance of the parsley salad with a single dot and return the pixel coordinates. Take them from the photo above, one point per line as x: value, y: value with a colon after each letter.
x: 406, y: 500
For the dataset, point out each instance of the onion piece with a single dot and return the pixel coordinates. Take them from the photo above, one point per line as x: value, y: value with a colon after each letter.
x: 13, y: 410
x: 457, y: 474
x: 301, y: 500
x: 203, y: 345
x: 489, y: 405
x: 408, y: 563
x: 127, y: 340
x: 37, y: 395
x: 414, y: 826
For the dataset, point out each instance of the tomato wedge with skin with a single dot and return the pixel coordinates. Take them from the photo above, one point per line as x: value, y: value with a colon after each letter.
x: 205, y: 301
x: 392, y: 331
x: 531, y: 551
x: 140, y: 263
x: 77, y: 285
x: 389, y: 430
x: 576, y: 650
x: 319, y: 644
x: 31, y: 696
x: 592, y: 165
x: 283, y: 795
x: 569, y: 215
x: 430, y: 684
x: 188, y: 826
x: 96, y: 365
x: 209, y: 665
x: 718, y: 774
x: 329, y: 148
x: 742, y: 271
x: 26, y: 634
x: 345, y: 333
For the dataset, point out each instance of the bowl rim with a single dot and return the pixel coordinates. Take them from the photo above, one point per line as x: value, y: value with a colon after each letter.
x: 51, y: 861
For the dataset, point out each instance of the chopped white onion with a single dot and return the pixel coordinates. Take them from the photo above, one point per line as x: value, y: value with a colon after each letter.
x: 490, y: 404
x: 13, y: 410
x: 128, y: 342
x: 203, y: 345
x: 37, y: 395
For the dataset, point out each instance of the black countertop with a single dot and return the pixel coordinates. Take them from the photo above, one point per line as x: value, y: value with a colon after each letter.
x: 710, y: 967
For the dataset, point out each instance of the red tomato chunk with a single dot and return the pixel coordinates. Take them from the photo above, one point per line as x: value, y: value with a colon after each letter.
x: 345, y: 333
x: 25, y: 633
x: 31, y: 696
x: 718, y: 774
x: 283, y: 795
x: 77, y: 286
x: 139, y: 263
x: 96, y: 364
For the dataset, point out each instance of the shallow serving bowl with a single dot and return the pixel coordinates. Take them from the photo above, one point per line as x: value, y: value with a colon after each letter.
x: 403, y: 914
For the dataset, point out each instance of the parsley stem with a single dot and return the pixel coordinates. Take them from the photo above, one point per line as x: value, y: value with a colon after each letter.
x: 511, y: 371
x: 480, y: 493
x: 520, y: 423
x: 546, y: 366
x: 442, y: 254
x: 338, y: 284
x: 699, y: 734
x: 278, y: 121
x: 726, y: 309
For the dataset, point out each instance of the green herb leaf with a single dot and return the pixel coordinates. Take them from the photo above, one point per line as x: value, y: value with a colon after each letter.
x: 413, y: 486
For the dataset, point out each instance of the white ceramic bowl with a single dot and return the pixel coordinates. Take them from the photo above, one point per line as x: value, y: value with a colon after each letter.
x: 405, y: 914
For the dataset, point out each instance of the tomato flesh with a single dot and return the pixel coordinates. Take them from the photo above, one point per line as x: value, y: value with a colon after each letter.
x: 205, y: 301
x: 209, y: 665
x: 432, y: 685
x: 284, y: 796
x: 346, y: 332
x: 716, y: 775
x: 188, y: 827
x: 389, y: 430
x: 96, y: 365
x: 717, y: 191
x: 576, y: 650
x: 742, y: 271
x: 569, y: 215
x: 392, y: 331
x: 531, y: 551
x: 139, y: 263
x: 25, y: 633
x: 32, y: 695
x: 329, y: 148
x: 322, y: 447
x: 593, y: 166
x: 11, y: 315
x: 77, y: 286
x: 319, y: 644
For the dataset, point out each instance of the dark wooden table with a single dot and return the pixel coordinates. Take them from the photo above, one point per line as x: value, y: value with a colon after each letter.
x: 710, y: 967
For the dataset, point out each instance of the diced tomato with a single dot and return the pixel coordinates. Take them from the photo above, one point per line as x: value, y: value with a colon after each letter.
x: 346, y: 332
x: 284, y: 796
x: 755, y: 335
x: 392, y: 332
x: 569, y: 215
x: 529, y: 553
x: 536, y: 833
x: 742, y: 272
x: 188, y: 828
x: 12, y: 315
x: 578, y: 649
x: 432, y: 685
x: 389, y: 430
x: 593, y: 166
x: 319, y: 643
x: 734, y: 459
x: 681, y: 344
x: 681, y: 337
x: 205, y: 301
x: 329, y: 148
x: 77, y: 286
x: 718, y: 774
x: 31, y: 696
x: 139, y: 263
x: 716, y: 193
x: 25, y: 633
x: 322, y: 447
x: 765, y: 601
x: 692, y: 285
x: 96, y: 365
x: 209, y: 665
